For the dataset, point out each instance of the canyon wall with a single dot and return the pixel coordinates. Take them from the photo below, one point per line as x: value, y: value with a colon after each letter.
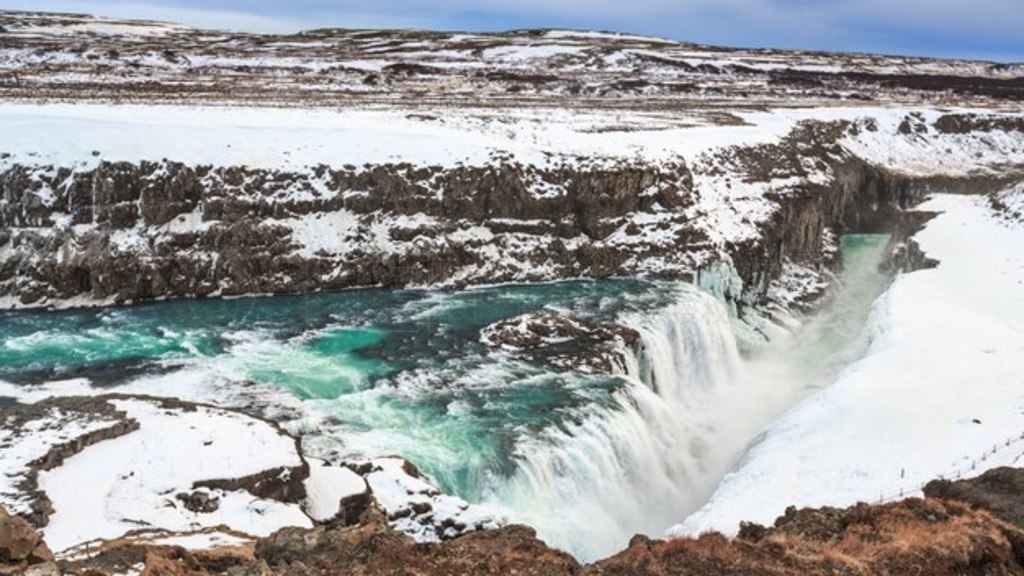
x: 120, y: 232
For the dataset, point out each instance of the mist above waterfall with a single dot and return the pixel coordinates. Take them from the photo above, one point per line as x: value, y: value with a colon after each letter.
x: 691, y: 410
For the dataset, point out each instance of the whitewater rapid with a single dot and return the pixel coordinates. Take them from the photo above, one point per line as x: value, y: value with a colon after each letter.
x: 691, y: 410
x: 634, y: 467
x: 587, y: 459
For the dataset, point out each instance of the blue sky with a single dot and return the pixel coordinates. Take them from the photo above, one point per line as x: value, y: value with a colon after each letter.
x: 986, y: 29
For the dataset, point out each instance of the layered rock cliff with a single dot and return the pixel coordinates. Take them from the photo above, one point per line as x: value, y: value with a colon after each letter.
x: 121, y: 231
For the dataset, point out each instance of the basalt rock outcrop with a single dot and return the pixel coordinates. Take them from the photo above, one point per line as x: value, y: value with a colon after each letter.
x: 126, y: 232
x: 565, y: 341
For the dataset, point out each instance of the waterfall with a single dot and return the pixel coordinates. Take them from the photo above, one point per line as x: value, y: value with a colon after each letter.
x: 648, y: 460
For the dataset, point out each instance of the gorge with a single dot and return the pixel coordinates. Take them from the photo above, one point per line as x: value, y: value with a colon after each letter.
x: 498, y: 282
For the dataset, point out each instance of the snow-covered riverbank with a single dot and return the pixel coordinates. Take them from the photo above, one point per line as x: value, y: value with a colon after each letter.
x: 939, y: 391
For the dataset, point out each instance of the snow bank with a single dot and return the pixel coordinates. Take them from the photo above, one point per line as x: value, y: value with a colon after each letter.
x: 130, y: 483
x: 278, y: 138
x: 1011, y: 202
x: 327, y: 486
x: 19, y: 448
x: 940, y: 393
x: 415, y: 507
x: 932, y: 152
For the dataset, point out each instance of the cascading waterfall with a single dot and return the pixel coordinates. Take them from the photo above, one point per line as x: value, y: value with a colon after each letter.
x: 686, y: 417
x: 642, y: 464
x: 587, y: 459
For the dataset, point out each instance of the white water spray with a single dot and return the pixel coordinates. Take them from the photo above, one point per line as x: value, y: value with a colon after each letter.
x: 689, y: 413
x: 590, y: 485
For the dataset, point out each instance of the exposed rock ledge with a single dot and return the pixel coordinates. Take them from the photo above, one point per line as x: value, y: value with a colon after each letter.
x: 565, y: 341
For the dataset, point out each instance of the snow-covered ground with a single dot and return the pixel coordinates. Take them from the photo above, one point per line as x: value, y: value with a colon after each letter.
x: 326, y: 487
x: 405, y: 499
x: 83, y: 135
x: 1011, y: 202
x: 281, y: 138
x: 20, y: 447
x: 940, y: 392
x: 132, y: 482
x: 61, y: 57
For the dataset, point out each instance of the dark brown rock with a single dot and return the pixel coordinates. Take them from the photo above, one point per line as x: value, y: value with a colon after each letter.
x: 18, y: 539
x: 352, y: 508
x: 1000, y: 491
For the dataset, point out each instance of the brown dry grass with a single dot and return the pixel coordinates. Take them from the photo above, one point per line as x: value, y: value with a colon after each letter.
x: 910, y: 537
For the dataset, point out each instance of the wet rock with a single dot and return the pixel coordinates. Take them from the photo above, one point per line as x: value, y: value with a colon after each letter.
x: 564, y: 340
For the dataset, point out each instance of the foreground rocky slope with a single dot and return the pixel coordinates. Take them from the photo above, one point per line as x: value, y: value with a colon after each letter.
x: 928, y: 536
x: 963, y: 527
x: 22, y: 550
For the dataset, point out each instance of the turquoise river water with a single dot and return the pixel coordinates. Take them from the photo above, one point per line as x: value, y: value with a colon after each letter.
x: 587, y: 459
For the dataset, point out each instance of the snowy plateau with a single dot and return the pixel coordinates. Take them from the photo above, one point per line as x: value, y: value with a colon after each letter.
x: 376, y: 300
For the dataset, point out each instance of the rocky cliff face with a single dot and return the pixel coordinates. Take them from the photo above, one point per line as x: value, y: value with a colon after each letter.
x: 130, y: 232
x: 120, y: 232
